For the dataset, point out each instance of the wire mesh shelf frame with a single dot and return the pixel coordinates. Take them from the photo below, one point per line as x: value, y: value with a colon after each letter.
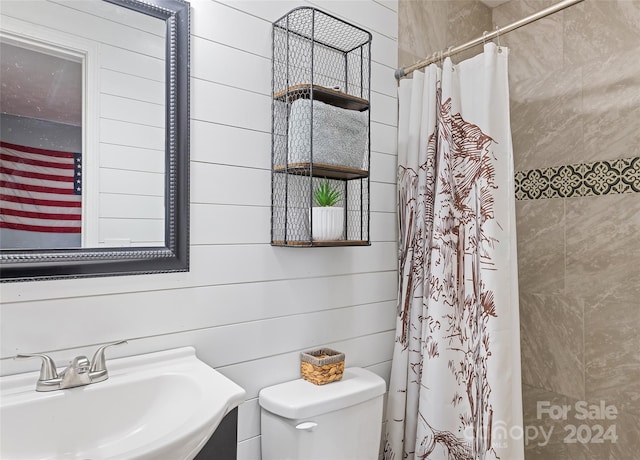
x: 320, y: 125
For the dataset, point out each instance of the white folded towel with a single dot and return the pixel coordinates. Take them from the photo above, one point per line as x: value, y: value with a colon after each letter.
x: 339, y: 135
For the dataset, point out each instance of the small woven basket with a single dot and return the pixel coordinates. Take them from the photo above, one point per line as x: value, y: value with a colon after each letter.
x: 322, y: 366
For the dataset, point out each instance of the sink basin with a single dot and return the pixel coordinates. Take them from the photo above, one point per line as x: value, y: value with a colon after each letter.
x: 162, y: 405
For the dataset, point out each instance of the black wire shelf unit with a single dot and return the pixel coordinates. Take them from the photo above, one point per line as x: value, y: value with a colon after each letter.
x: 320, y: 127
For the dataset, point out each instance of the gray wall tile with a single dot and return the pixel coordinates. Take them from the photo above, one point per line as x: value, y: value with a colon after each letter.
x: 540, y: 234
x: 603, y: 247
x: 551, y: 336
x: 611, y: 354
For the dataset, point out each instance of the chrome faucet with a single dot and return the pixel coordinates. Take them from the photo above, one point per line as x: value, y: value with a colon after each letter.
x: 79, y: 372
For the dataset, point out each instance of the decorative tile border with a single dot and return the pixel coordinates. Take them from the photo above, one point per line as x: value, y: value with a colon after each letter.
x: 589, y: 179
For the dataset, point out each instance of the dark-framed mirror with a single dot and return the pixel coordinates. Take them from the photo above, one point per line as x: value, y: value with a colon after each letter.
x: 100, y: 117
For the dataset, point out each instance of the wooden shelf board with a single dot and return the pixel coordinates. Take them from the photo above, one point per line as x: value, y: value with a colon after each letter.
x: 323, y: 94
x: 307, y: 243
x: 322, y: 170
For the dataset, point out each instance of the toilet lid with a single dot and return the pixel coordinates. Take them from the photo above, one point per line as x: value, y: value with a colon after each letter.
x: 302, y: 399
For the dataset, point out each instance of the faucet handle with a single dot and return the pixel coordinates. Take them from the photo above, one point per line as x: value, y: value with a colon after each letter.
x: 48, y: 369
x: 98, y: 363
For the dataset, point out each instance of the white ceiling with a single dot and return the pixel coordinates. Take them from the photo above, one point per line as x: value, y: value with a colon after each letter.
x: 39, y: 85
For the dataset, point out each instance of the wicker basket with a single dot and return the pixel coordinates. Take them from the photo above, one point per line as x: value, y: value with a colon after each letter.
x: 322, y: 366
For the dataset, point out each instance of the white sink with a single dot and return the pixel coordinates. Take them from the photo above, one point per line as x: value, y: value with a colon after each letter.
x: 158, y: 406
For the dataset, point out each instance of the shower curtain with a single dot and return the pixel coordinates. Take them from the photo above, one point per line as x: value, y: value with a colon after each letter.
x: 455, y: 389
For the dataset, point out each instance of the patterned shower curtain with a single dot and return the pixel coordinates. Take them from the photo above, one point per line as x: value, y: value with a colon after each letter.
x: 455, y: 389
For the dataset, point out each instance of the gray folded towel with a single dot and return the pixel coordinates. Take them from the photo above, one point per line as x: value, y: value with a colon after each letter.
x: 339, y: 135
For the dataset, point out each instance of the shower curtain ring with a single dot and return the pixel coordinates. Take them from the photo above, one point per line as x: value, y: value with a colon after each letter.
x: 449, y: 56
x: 433, y: 58
x: 484, y: 38
x: 498, y: 37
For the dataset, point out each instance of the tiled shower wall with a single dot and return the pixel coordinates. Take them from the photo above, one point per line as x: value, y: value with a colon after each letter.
x: 427, y: 26
x: 575, y: 100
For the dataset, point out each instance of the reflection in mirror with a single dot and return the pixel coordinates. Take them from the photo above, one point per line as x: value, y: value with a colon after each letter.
x: 46, y: 96
x: 93, y: 138
x: 40, y: 148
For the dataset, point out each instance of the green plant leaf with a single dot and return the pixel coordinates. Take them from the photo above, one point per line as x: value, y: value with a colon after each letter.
x: 326, y: 195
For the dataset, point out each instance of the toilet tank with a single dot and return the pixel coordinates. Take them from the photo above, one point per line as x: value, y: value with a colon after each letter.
x: 337, y: 421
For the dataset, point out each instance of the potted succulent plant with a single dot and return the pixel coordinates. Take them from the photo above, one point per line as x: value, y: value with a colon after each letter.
x: 327, y: 218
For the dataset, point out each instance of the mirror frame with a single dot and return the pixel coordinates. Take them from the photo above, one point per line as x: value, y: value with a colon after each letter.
x: 41, y: 264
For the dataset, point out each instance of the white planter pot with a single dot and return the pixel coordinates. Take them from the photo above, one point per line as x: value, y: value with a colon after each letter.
x: 327, y: 223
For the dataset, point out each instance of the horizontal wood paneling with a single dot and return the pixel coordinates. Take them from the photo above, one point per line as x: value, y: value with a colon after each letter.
x: 136, y: 159
x: 327, y: 261
x: 249, y: 449
x: 134, y: 87
x: 251, y: 110
x: 382, y: 80
x: 223, y: 24
x: 134, y: 135
x: 391, y: 4
x: 89, y: 26
x: 140, y: 206
x: 227, y: 344
x: 131, y: 182
x: 378, y: 18
x: 383, y: 167
x: 156, y: 312
x: 361, y: 351
x: 135, y: 231
x: 384, y: 138
x: 230, y: 145
x: 105, y: 10
x: 232, y: 106
x: 383, y: 197
x: 230, y: 66
x: 253, y: 263
x: 131, y: 63
x: 230, y: 185
x: 262, y: 13
x: 247, y: 307
x: 384, y: 109
x: 223, y: 224
x: 132, y: 110
x: 384, y: 227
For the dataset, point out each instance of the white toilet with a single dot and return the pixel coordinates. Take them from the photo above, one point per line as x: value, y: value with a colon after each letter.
x: 337, y: 421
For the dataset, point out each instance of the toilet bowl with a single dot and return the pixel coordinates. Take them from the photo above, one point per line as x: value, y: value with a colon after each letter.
x: 338, y: 421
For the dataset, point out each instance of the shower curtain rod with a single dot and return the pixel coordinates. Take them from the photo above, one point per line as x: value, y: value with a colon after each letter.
x: 403, y: 71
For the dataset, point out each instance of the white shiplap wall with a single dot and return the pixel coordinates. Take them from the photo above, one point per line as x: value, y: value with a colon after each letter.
x: 248, y: 308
